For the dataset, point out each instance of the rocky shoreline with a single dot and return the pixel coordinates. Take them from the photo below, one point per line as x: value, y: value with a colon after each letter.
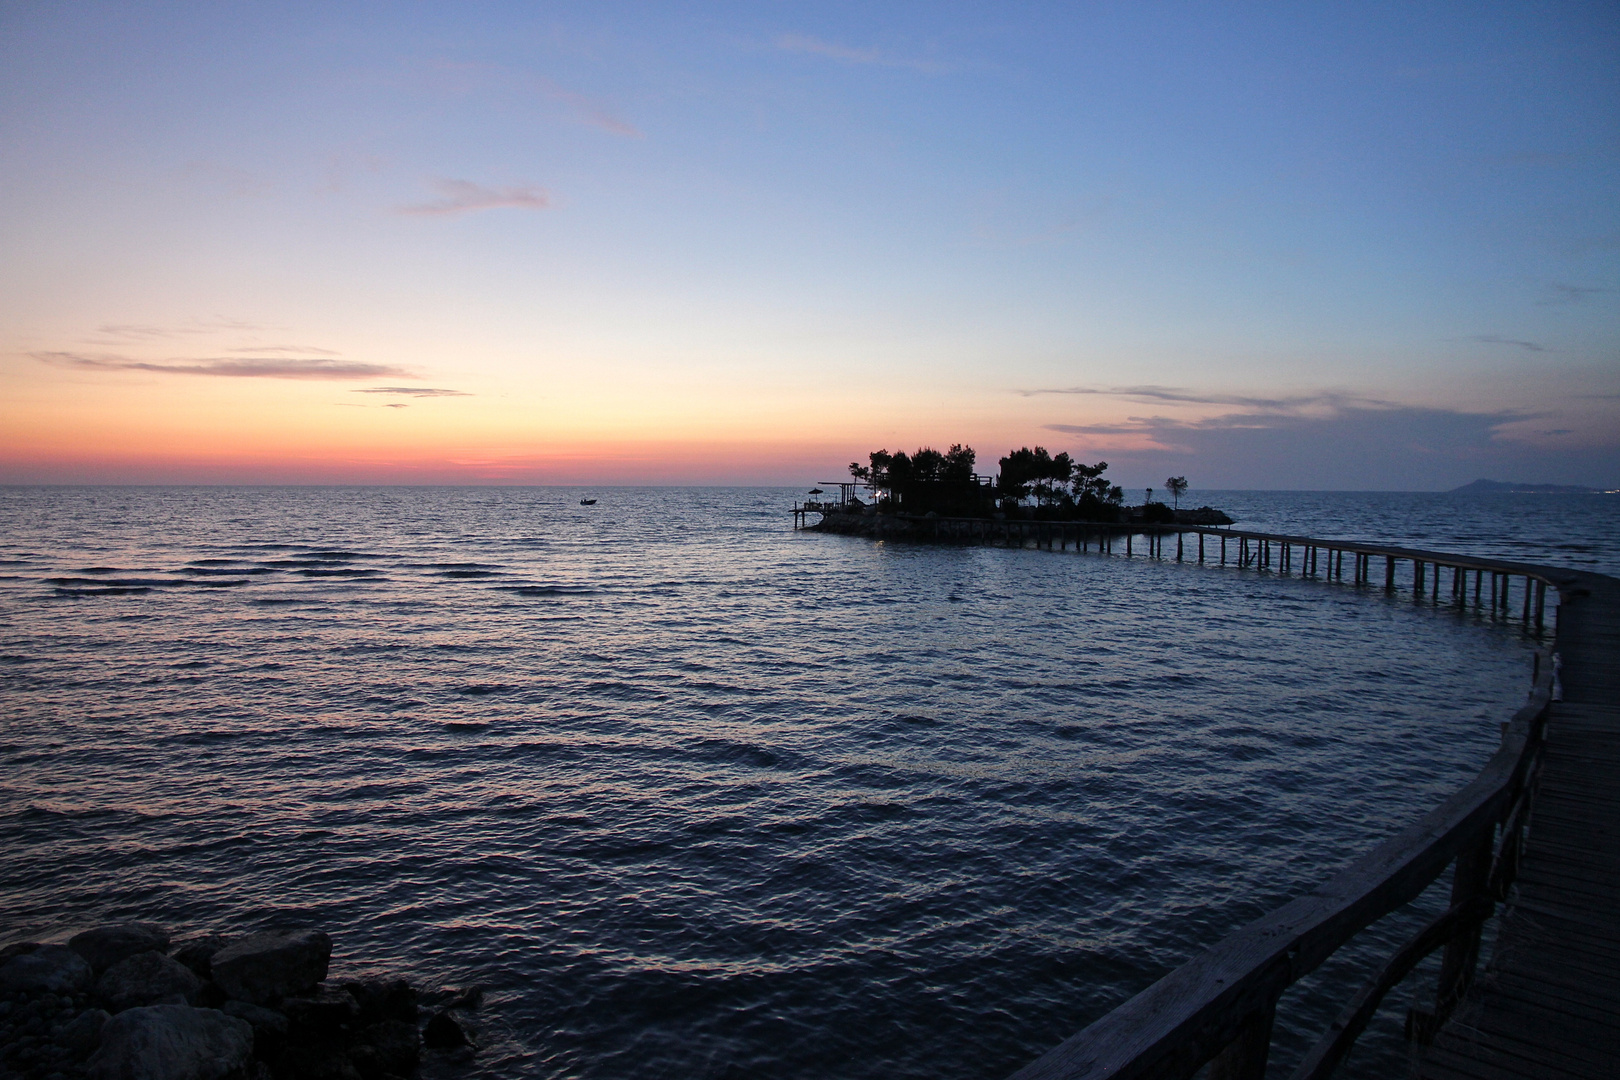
x: 118, y: 1003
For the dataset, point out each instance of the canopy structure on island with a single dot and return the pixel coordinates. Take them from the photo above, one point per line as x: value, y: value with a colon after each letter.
x: 846, y: 490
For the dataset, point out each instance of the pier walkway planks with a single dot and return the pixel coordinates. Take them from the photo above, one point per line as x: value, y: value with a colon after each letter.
x: 1548, y: 1003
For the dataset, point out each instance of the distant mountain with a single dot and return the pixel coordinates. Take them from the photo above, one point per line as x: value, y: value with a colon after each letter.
x: 1497, y: 487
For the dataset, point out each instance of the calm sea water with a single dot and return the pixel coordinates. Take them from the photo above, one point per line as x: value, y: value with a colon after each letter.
x: 695, y: 795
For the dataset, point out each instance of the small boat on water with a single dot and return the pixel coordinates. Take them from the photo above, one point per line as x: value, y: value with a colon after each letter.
x: 587, y: 502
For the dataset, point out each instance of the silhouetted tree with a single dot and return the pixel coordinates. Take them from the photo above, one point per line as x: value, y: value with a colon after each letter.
x: 1089, y: 482
x: 958, y: 464
x: 1025, y: 472
x: 1018, y: 472
x: 931, y: 480
x: 1177, y: 486
x: 926, y: 480
x: 1054, y: 479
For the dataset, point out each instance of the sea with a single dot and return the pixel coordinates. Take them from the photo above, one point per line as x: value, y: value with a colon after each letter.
x: 692, y: 794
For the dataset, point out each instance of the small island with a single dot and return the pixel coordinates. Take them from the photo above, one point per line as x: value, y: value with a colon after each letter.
x: 1031, y: 485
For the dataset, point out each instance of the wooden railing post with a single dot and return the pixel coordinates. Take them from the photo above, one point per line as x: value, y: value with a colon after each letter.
x: 1470, y: 882
x: 1245, y: 1058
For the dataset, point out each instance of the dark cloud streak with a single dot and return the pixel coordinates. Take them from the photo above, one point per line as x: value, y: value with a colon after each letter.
x: 1177, y: 396
x: 1497, y: 339
x: 228, y: 367
x: 413, y: 391
x: 1571, y: 294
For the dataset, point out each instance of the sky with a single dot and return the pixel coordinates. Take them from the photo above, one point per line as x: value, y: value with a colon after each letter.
x: 1271, y: 245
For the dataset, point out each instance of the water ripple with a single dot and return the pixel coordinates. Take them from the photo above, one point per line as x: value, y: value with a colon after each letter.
x: 692, y: 794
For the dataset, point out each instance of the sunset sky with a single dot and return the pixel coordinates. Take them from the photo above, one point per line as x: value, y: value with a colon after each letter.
x: 1290, y: 246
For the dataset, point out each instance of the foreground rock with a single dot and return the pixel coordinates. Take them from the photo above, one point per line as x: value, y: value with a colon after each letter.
x: 392, y: 1048
x: 198, y: 953
x: 323, y: 1012
x: 52, y: 969
x: 264, y: 968
x: 147, y: 978
x: 107, y: 945
x: 171, y: 1042
x: 383, y: 999
x: 81, y: 1036
x: 253, y: 1007
x: 445, y: 1032
x: 268, y: 1024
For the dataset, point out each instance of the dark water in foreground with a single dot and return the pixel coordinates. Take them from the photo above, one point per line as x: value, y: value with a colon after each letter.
x: 697, y: 796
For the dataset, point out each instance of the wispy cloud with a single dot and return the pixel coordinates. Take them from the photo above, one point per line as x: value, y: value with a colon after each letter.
x: 229, y: 367
x: 1497, y: 339
x: 1176, y: 396
x: 1570, y: 294
x: 413, y: 391
x: 464, y: 196
x: 1096, y: 429
x: 127, y: 333
x: 1159, y: 428
x: 296, y: 350
x: 846, y: 54
x: 588, y: 110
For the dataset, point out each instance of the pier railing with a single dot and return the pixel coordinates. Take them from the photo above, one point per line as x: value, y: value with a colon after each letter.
x: 1217, y: 1009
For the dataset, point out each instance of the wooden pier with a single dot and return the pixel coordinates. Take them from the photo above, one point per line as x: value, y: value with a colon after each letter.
x: 1548, y: 1004
x: 1532, y: 842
